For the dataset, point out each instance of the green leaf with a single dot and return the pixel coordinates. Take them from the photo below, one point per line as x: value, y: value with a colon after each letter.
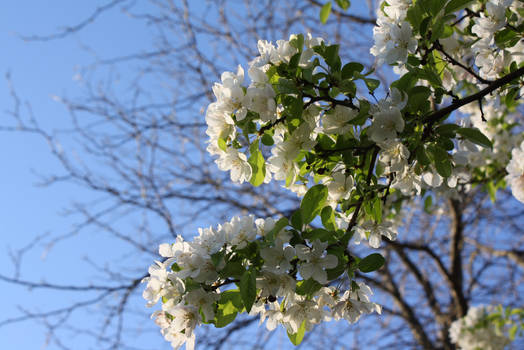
x: 324, y: 12
x: 344, y: 4
x: 258, y: 165
x: 428, y: 203
x: 492, y: 191
x: 279, y: 225
x: 372, y: 84
x: 222, y: 144
x: 296, y: 220
x: 474, y: 135
x: 506, y: 38
x: 297, y: 42
x: 438, y: 29
x: 233, y: 268
x: 313, y: 202
x: 286, y: 86
x: 328, y: 218
x: 377, y: 210
x: 307, y: 287
x: 248, y: 289
x: 407, y: 81
x: 441, y: 159
x: 267, y: 140
x: 422, y: 157
x: 424, y: 25
x: 296, y: 338
x: 217, y: 258
x: 332, y: 58
x: 342, y: 258
x: 348, y: 87
x: 415, y: 15
x: 447, y: 130
x: 455, y: 5
x: 229, y: 305
x: 419, y: 99
x: 320, y: 234
x: 350, y: 68
x: 371, y: 263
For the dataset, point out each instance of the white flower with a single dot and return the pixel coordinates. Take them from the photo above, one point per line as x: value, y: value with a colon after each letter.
x: 376, y: 231
x: 273, y: 314
x: 407, y: 181
x: 235, y: 161
x: 203, y: 301
x: 264, y: 226
x: 276, y: 285
x: 240, y: 231
x: 285, y: 51
x: 230, y: 94
x: 337, y: 122
x: 393, y: 41
x: 157, y: 283
x: 277, y: 259
x: 180, y: 330
x: 432, y: 178
x: 397, y: 9
x: 308, y: 52
x: 515, y: 171
x: 387, y: 118
x: 486, y: 26
x: 282, y: 163
x: 354, y: 304
x: 302, y: 310
x: 220, y: 125
x: 260, y: 98
x: 209, y: 241
x: 313, y: 261
x: 472, y: 332
x: 393, y: 155
x: 327, y: 296
x: 340, y: 186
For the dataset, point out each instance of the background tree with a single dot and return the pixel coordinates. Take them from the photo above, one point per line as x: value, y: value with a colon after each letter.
x: 144, y: 153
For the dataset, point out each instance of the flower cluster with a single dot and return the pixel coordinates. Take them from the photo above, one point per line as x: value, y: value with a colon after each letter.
x: 263, y: 259
x: 488, y: 56
x: 393, y: 35
x: 301, y: 119
x: 235, y: 102
x: 475, y: 331
x: 515, y: 170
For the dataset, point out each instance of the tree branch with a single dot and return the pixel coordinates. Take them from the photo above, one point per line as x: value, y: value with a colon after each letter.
x: 435, y: 116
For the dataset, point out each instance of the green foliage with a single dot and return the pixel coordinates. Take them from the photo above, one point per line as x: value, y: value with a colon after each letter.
x: 313, y: 202
x: 296, y: 338
x: 248, y: 288
x: 324, y: 12
x: 258, y: 165
x: 307, y: 287
x: 328, y: 218
x: 456, y: 5
x: 229, y: 305
x: 475, y: 136
x: 371, y: 263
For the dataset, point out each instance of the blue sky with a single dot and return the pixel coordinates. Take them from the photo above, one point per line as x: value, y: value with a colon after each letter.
x: 40, y: 70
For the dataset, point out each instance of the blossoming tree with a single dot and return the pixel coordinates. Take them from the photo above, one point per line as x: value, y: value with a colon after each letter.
x: 364, y: 195
x: 356, y: 162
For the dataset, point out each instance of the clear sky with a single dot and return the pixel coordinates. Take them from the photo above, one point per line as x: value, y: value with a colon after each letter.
x: 40, y: 70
